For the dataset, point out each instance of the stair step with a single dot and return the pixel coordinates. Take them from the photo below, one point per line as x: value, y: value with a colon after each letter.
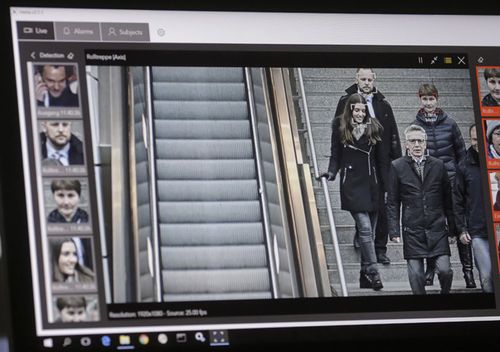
x: 399, y: 288
x: 396, y: 271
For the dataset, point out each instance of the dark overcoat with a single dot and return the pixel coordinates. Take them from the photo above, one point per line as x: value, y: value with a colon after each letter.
x: 425, y: 206
x: 468, y: 197
x: 363, y: 171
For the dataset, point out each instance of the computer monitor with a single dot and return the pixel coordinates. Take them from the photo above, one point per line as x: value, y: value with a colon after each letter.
x: 207, y: 180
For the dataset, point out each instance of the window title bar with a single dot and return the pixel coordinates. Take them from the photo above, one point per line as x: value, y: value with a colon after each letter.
x: 284, y: 28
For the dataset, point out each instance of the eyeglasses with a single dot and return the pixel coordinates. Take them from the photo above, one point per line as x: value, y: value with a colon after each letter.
x: 415, y: 141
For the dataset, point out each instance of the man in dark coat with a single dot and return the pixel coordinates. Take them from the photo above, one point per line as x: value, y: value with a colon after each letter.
x: 59, y: 145
x: 469, y: 211
x: 380, y: 109
x: 419, y: 184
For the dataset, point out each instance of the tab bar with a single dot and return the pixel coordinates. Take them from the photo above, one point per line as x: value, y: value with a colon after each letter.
x: 35, y: 30
x: 125, y: 32
x: 77, y: 31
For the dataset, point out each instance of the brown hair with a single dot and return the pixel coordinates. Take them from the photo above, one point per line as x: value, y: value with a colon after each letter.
x: 373, y: 130
x: 427, y: 89
x: 491, y: 72
x: 66, y: 185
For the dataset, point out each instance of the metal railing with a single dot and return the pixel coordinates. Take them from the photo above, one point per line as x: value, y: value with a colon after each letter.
x: 153, y: 198
x: 324, y: 184
x: 270, y: 243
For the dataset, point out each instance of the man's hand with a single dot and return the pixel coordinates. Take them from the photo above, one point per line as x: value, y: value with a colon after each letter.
x: 329, y: 176
x: 40, y: 88
x: 395, y: 239
x: 465, y: 238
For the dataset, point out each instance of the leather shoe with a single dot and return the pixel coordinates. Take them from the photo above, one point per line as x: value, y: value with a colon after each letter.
x: 370, y: 280
x: 383, y: 259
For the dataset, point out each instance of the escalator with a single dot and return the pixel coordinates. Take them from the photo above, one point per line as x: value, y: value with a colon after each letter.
x: 209, y: 221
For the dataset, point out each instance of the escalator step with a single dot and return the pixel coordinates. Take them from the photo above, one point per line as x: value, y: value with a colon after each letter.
x: 204, y: 149
x: 216, y: 296
x: 201, y: 110
x: 202, y: 129
x: 216, y: 281
x: 212, y: 190
x: 197, y: 74
x: 206, y: 169
x: 211, y: 234
x: 213, y: 257
x: 195, y: 91
x: 209, y: 212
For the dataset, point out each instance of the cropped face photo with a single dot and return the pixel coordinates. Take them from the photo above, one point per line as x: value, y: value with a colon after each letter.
x: 75, y: 309
x: 61, y: 143
x: 66, y: 200
x: 56, y: 85
x: 488, y: 78
x: 72, y: 260
x: 67, y: 260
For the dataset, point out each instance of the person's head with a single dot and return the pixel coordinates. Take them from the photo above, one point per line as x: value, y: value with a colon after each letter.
x: 365, y: 79
x: 355, y: 113
x: 72, y: 309
x: 428, y: 95
x: 473, y: 137
x: 493, y: 134
x: 64, y: 259
x: 492, y: 77
x: 54, y: 76
x: 57, y: 132
x: 67, y: 196
x: 416, y: 141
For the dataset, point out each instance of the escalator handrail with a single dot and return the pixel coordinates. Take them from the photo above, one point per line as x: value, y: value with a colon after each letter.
x: 324, y: 184
x: 261, y: 185
x: 158, y: 285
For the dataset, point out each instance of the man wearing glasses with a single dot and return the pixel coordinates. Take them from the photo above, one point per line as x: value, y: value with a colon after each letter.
x: 419, y: 184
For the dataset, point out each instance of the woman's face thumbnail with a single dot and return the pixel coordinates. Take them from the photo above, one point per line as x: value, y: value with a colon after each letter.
x: 67, y: 258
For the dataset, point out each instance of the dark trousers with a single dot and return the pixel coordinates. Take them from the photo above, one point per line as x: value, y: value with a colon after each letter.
x: 381, y: 233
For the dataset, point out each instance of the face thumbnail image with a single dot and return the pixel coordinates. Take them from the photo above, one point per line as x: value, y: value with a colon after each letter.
x: 66, y: 200
x: 495, y: 194
x: 61, y: 142
x: 72, y: 260
x: 56, y: 85
x: 75, y: 308
x: 497, y: 241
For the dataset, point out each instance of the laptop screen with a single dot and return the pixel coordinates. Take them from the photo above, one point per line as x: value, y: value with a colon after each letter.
x: 192, y: 179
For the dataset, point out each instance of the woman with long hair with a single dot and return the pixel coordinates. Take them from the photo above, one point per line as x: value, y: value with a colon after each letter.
x: 66, y: 267
x: 357, y: 153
